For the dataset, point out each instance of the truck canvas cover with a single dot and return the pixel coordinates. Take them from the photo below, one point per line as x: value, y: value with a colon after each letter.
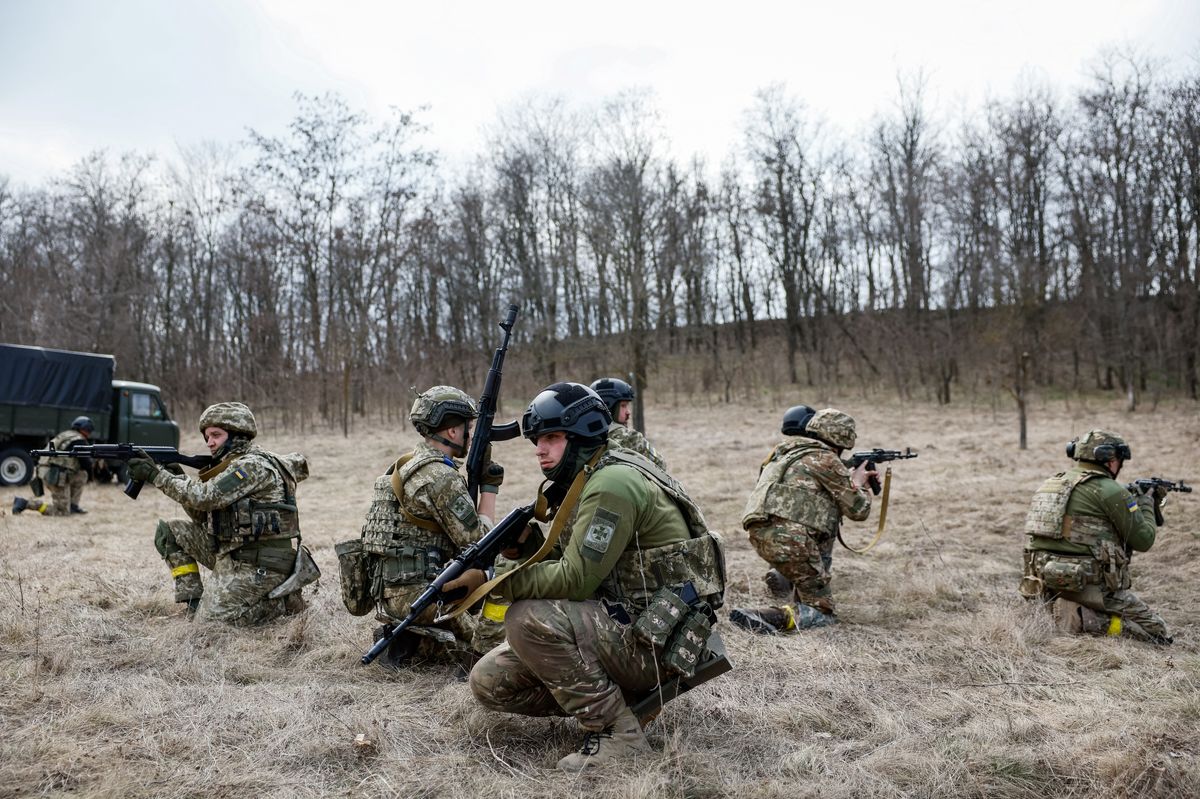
x: 55, y: 378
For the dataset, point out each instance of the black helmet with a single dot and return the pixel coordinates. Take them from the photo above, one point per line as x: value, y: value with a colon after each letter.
x: 571, y: 407
x: 83, y: 423
x: 613, y: 390
x: 795, y: 419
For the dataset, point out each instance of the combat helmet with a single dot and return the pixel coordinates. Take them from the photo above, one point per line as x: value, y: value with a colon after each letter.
x: 795, y: 420
x: 571, y: 407
x: 233, y: 417
x: 833, y: 427
x: 613, y: 390
x: 1099, y: 446
x: 438, y: 407
x: 83, y: 423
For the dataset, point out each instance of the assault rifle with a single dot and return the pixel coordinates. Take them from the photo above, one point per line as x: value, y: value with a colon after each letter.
x: 1147, y: 485
x: 486, y: 431
x: 480, y: 555
x: 123, y: 452
x: 874, y: 456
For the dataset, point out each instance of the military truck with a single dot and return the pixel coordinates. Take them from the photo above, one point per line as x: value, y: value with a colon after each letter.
x: 43, y: 390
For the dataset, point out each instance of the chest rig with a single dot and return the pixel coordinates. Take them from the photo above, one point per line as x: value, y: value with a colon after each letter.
x: 700, y: 559
x: 250, y: 520
x: 777, y: 495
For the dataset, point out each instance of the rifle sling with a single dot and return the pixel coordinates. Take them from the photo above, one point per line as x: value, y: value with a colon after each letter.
x: 883, y: 506
x: 560, y: 521
x: 398, y: 490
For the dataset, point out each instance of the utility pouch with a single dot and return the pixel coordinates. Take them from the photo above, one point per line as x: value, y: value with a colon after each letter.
x: 1065, y: 575
x: 662, y: 615
x: 688, y: 643
x: 54, y: 475
x: 412, y: 565
x: 353, y: 562
x: 35, y: 485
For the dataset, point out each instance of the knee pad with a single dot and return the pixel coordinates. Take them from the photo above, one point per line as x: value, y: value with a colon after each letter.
x: 164, y: 540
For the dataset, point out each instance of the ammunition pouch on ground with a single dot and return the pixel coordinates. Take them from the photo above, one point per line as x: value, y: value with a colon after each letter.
x: 353, y: 563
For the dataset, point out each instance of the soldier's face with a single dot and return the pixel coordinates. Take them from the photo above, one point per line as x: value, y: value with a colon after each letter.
x: 549, y: 449
x: 624, y: 411
x: 215, y: 438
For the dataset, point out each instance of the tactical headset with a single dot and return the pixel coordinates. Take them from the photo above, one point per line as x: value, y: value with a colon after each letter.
x: 1104, y: 453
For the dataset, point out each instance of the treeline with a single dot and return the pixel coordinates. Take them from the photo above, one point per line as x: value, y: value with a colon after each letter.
x: 1037, y: 240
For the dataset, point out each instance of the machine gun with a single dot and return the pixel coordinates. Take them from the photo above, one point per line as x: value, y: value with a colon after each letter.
x: 480, y: 555
x: 874, y: 456
x: 1148, y: 485
x: 486, y: 431
x: 123, y: 452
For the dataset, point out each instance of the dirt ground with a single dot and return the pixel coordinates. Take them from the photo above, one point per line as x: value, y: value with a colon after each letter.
x: 938, y: 682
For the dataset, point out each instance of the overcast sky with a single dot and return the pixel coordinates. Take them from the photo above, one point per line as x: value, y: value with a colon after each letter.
x: 149, y: 75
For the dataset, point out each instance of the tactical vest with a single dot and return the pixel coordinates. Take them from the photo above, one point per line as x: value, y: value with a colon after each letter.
x: 62, y: 442
x: 392, y: 530
x: 775, y: 496
x: 251, y: 520
x: 1048, y: 518
x: 638, y: 573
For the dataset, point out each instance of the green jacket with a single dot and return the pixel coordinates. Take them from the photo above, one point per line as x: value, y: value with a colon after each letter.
x: 1132, y: 518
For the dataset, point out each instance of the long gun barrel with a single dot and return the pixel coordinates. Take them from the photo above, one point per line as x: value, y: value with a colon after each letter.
x: 1146, y: 485
x: 480, y: 555
x: 123, y: 452
x: 486, y: 431
x: 874, y: 456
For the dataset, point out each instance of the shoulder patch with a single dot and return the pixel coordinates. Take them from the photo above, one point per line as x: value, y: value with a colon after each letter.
x: 462, y: 510
x: 599, y: 534
x: 233, y: 478
x: 1131, y: 504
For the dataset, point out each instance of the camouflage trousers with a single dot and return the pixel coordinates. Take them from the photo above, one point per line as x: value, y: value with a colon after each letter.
x: 393, y: 603
x: 236, y: 592
x: 67, y: 493
x: 565, y: 658
x: 801, y: 555
x: 1137, y: 619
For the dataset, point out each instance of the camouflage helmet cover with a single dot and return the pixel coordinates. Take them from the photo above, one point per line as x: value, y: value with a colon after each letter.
x: 434, y: 406
x: 233, y: 417
x: 1099, y: 446
x: 833, y: 427
x: 83, y: 423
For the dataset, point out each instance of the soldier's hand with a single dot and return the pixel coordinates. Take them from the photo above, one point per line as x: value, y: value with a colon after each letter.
x: 863, y: 475
x: 1159, y: 493
x: 142, y: 469
x: 470, y: 580
x: 493, y: 477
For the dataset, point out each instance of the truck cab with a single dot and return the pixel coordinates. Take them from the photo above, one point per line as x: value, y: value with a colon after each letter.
x: 140, y: 416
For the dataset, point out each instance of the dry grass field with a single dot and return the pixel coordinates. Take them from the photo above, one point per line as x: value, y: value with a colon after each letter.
x: 938, y: 682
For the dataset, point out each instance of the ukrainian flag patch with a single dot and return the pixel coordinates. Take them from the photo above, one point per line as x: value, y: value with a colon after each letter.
x: 241, y: 473
x: 1131, y: 504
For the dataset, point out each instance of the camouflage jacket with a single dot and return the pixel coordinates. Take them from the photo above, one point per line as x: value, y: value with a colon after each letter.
x: 627, y: 438
x: 64, y: 441
x: 804, y: 481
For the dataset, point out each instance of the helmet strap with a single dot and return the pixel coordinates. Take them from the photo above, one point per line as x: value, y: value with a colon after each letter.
x: 457, y: 450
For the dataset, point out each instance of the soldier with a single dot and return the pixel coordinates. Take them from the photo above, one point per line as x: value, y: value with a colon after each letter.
x: 243, y: 519
x: 794, y: 513
x: 618, y: 396
x: 420, y: 518
x: 629, y: 538
x: 1082, y: 528
x: 64, y: 476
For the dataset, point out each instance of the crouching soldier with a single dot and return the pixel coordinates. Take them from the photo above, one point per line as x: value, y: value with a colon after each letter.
x: 244, y: 525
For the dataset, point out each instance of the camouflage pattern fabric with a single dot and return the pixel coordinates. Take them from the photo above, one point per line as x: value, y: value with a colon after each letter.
x: 232, y: 417
x: 803, y: 492
x: 627, y: 438
x: 400, y: 564
x: 565, y: 658
x: 1077, y: 552
x: 800, y: 555
x: 72, y: 477
x: 833, y: 427
x: 236, y: 592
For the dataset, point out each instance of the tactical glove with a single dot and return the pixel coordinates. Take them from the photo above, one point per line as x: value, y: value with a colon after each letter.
x: 142, y: 469
x: 1159, y: 494
x: 493, y: 477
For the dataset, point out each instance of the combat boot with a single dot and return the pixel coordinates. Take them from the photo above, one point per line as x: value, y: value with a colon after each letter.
x: 19, y: 504
x: 767, y: 621
x: 77, y: 509
x: 779, y: 586
x: 807, y: 617
x: 400, y: 652
x: 618, y: 742
x: 188, y: 586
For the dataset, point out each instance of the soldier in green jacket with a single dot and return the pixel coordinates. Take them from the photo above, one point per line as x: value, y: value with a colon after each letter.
x: 630, y: 536
x: 618, y: 396
x: 1082, y: 529
x: 242, y: 524
x: 793, y: 515
x: 421, y: 516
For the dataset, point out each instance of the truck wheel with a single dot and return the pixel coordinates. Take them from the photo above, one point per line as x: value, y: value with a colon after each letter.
x: 16, y: 467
